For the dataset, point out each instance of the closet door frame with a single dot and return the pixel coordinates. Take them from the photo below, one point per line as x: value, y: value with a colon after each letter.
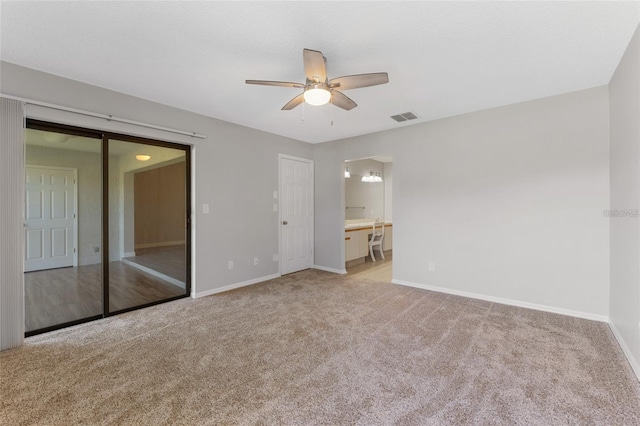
x: 105, y: 217
x: 105, y: 137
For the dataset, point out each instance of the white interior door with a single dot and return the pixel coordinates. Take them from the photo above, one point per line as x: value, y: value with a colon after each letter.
x: 49, y: 218
x: 296, y: 214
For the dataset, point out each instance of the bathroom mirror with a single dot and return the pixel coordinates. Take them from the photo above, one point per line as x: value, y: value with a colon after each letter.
x: 368, y: 198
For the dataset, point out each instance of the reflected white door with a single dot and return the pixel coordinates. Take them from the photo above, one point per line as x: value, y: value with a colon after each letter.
x: 296, y: 214
x: 49, y: 218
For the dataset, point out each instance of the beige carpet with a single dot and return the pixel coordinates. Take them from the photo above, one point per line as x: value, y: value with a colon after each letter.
x: 316, y: 348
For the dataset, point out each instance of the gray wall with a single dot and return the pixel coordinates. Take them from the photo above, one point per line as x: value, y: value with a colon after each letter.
x: 115, y: 180
x: 507, y: 202
x: 388, y: 192
x: 624, y: 98
x: 235, y: 170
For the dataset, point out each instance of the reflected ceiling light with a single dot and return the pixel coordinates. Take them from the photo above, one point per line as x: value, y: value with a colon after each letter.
x: 374, y: 177
x: 347, y: 174
x: 317, y: 95
x: 143, y: 157
x: 55, y: 137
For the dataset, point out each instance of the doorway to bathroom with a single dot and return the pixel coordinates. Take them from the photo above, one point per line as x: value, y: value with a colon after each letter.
x: 368, y: 184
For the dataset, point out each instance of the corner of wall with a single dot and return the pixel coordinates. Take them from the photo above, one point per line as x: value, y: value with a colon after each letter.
x: 624, y: 225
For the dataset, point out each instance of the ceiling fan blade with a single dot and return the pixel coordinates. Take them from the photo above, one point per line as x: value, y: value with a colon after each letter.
x: 359, y: 80
x: 275, y: 83
x: 294, y: 102
x: 314, y: 66
x: 339, y: 99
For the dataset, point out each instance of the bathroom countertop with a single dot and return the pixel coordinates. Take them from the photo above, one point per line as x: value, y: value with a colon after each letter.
x: 351, y: 225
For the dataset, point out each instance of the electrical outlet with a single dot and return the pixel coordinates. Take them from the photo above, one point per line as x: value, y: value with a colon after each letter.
x: 255, y: 261
x: 432, y: 266
x: 276, y: 257
x: 275, y: 195
x: 230, y: 264
x: 96, y: 249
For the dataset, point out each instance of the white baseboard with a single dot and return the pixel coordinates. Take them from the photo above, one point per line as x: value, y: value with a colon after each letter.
x: 155, y: 273
x: 544, y: 308
x: 234, y: 286
x: 335, y: 271
x: 129, y: 254
x: 627, y: 352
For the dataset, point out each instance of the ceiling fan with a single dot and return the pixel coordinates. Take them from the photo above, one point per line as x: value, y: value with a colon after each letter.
x: 318, y: 89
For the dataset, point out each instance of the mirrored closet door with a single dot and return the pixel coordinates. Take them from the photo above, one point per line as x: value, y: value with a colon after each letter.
x: 106, y: 224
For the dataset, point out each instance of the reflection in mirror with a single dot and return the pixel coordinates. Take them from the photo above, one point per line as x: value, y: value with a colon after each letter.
x: 147, y: 217
x: 66, y: 280
x: 365, y: 197
x: 63, y: 225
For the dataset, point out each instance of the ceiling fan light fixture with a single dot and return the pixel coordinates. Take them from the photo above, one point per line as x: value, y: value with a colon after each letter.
x: 317, y: 95
x: 319, y: 89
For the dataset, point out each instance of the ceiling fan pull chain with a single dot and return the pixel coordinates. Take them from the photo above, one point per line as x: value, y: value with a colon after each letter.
x: 331, y: 107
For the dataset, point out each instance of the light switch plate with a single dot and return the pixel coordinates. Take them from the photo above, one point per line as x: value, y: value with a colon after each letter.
x: 205, y: 208
x: 275, y: 195
x: 275, y: 207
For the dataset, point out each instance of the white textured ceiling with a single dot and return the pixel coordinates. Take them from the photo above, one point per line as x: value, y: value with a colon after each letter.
x: 443, y: 58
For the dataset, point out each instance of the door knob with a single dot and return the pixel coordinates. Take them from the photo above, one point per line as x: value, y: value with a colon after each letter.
x: 284, y: 222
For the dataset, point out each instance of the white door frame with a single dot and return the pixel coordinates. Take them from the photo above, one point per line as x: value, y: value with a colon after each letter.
x: 312, y: 236
x: 75, y: 205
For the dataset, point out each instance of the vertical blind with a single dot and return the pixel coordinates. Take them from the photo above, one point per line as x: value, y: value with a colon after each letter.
x: 11, y: 229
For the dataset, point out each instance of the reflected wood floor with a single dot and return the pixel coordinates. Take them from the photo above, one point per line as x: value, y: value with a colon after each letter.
x: 170, y: 260
x: 380, y: 270
x: 57, y: 296
x: 129, y: 287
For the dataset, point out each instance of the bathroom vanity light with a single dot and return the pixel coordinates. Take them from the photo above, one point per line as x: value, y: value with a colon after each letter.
x: 373, y: 177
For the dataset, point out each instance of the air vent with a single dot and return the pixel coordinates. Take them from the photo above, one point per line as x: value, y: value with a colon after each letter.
x: 404, y: 117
